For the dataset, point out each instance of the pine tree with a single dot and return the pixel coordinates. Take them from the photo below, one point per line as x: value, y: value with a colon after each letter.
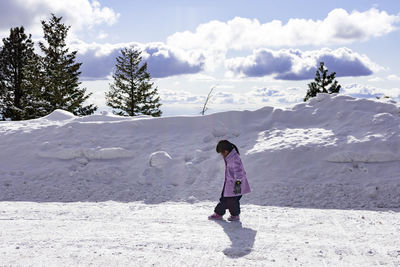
x: 132, y: 93
x: 36, y: 104
x: 321, y: 82
x: 2, y: 90
x: 61, y: 72
x: 15, y: 56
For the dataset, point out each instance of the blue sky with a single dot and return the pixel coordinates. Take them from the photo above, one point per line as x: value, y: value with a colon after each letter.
x: 256, y: 53
x: 168, y: 17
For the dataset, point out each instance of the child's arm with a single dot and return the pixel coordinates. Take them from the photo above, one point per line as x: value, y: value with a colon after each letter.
x: 238, y: 174
x: 238, y: 169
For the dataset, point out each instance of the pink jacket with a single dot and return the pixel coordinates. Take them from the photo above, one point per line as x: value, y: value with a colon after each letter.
x: 234, y: 170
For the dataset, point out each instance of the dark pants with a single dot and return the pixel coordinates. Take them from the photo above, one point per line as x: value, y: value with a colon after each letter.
x: 231, y: 203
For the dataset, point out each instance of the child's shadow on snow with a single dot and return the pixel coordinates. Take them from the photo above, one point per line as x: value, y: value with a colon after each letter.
x: 242, y: 239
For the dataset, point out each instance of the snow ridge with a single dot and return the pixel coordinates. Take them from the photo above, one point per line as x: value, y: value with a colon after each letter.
x: 333, y: 151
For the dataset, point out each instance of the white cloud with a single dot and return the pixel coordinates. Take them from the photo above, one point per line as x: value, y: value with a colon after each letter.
x: 294, y: 64
x: 393, y: 77
x: 201, y: 77
x: 273, y: 96
x: 366, y: 91
x: 339, y: 27
x: 183, y: 100
x: 180, y: 97
x: 220, y: 100
x: 102, y: 35
x: 163, y: 61
x: 375, y: 79
x: 77, y: 13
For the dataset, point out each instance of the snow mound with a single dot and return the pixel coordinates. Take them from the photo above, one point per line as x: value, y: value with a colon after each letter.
x: 106, y: 116
x: 163, y: 170
x: 59, y: 115
x: 159, y: 159
x: 333, y: 151
x: 102, y: 118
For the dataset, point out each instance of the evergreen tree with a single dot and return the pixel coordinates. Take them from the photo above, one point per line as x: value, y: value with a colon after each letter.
x: 61, y: 72
x: 132, y: 92
x: 2, y: 90
x: 36, y: 105
x: 321, y: 83
x: 15, y: 56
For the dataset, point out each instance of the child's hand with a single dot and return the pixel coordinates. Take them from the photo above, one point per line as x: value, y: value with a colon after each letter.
x: 237, y: 189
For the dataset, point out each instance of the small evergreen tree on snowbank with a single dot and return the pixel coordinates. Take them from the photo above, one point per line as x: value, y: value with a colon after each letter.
x: 132, y: 93
x: 323, y: 83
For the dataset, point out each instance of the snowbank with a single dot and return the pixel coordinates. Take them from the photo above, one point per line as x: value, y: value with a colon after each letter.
x: 90, y: 154
x: 59, y: 115
x: 332, y: 152
x: 349, y: 156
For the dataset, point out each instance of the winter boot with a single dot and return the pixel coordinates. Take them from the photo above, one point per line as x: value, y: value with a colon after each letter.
x: 215, y: 217
x: 234, y: 218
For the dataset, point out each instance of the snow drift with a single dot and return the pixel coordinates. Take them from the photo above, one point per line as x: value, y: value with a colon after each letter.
x: 334, y: 151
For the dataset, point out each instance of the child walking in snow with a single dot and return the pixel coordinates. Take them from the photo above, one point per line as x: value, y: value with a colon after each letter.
x: 235, y: 184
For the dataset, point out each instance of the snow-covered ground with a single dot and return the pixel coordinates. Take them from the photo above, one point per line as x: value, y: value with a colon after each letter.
x: 102, y: 189
x: 178, y: 234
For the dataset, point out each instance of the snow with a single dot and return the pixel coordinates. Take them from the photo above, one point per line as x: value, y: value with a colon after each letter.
x: 349, y: 156
x: 160, y: 159
x: 90, y: 154
x: 59, y: 115
x: 325, y: 153
x: 177, y: 234
x: 315, y: 169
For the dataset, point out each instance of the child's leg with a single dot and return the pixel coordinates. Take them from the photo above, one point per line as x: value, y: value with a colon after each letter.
x: 221, y: 206
x: 233, y: 205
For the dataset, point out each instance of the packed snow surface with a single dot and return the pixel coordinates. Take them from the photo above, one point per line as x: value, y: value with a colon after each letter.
x: 331, y: 152
x: 179, y: 234
x: 324, y: 176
